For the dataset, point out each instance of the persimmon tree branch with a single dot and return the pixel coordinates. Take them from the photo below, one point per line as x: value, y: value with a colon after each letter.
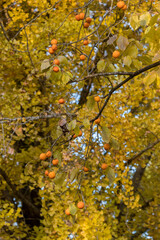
x: 134, y: 74
x: 101, y: 74
x: 17, y: 193
x: 33, y: 118
x: 141, y: 152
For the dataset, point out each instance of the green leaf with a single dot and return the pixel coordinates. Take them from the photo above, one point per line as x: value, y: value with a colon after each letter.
x: 86, y: 123
x: 115, y: 144
x: 63, y: 60
x: 137, y: 63
x: 56, y: 76
x: 131, y: 51
x: 58, y: 131
x: 59, y: 179
x: 73, y: 174
x: 72, y: 125
x: 127, y: 60
x: 150, y: 78
x: 72, y: 209
x: 111, y: 68
x: 145, y: 19
x: 65, y: 78
x: 101, y: 65
x: 48, y: 73
x: 90, y: 103
x: 122, y: 43
x: 106, y: 134
x: 76, y: 130
x: 45, y: 64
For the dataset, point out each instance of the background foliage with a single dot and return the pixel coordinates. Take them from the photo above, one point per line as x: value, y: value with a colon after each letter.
x: 121, y: 202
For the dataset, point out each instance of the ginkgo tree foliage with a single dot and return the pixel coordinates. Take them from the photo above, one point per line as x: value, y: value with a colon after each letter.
x: 96, y: 114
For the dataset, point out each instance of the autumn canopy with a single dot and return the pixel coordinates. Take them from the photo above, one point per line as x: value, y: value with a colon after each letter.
x: 79, y: 119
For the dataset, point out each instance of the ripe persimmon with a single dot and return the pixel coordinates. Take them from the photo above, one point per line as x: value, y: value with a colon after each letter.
x: 120, y: 4
x: 85, y: 169
x: 54, y: 47
x: 61, y: 101
x: 97, y: 99
x: 42, y: 156
x: 56, y: 69
x: 77, y: 17
x: 104, y: 166
x: 51, y: 175
x: 125, y: 7
x: 86, y: 25
x: 80, y: 133
x: 56, y: 62
x: 48, y: 154
x: 97, y: 121
x: 80, y: 205
x: 88, y: 20
x: 74, y: 136
x: 81, y: 16
x: 55, y: 162
x: 46, y: 172
x: 82, y: 57
x: 54, y: 41
x: 116, y: 54
x: 85, y: 42
x: 107, y: 146
x: 50, y: 50
x: 67, y: 212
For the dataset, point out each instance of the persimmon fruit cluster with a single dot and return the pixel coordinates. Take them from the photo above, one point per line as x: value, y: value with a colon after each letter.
x: 43, y: 156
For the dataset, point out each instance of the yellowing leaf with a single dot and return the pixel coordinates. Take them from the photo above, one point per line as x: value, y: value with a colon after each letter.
x: 127, y: 61
x: 90, y: 102
x: 134, y: 21
x: 150, y: 78
x: 74, y: 172
x: 45, y: 64
x: 101, y: 66
x: 86, y: 123
x: 106, y: 134
x: 72, y: 209
x: 72, y: 125
x: 145, y: 19
x: 122, y: 42
x: 115, y: 144
x: 110, y: 174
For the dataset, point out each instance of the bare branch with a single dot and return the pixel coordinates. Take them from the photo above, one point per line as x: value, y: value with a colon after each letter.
x: 102, y: 75
x: 32, y: 118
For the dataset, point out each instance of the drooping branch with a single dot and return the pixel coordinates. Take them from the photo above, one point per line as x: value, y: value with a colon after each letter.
x: 136, y: 73
x: 150, y: 146
x: 18, y: 194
